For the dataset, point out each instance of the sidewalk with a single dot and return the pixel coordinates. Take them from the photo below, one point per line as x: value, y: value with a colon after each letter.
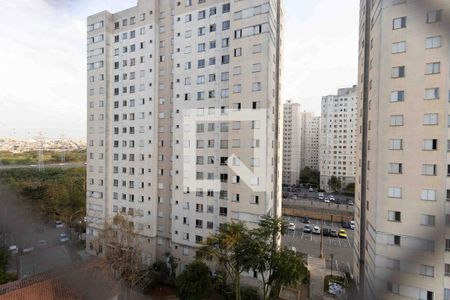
x: 318, y: 271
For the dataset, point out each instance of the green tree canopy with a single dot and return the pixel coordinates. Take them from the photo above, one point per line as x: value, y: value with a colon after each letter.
x: 194, y: 283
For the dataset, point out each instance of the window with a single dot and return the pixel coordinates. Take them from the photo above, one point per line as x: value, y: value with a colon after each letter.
x: 237, y: 52
x: 395, y: 192
x: 398, y: 47
x: 201, y: 15
x: 398, y: 72
x: 397, y: 96
x: 396, y: 144
x: 429, y: 169
x: 447, y: 244
x: 225, y: 59
x: 395, y: 168
x: 223, y: 211
x: 396, y: 120
x: 430, y: 144
x: 430, y: 119
x: 433, y: 16
x: 447, y: 270
x: 428, y: 195
x: 433, y: 68
x: 433, y: 42
x: 226, y: 8
x: 394, y: 216
x: 393, y: 288
x: 226, y: 25
x: 399, y: 23
x: 256, y: 86
x: 427, y: 270
x: 431, y: 94
x: 256, y: 68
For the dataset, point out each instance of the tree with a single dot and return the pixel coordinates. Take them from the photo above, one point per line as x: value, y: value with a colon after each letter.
x: 334, y: 183
x: 194, y: 283
x: 122, y: 250
x: 310, y: 176
x: 350, y: 188
x: 265, y: 256
x: 227, y: 248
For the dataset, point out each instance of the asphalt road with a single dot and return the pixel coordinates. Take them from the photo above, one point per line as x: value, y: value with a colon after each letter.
x: 342, y: 249
x: 304, y: 193
x: 66, y: 165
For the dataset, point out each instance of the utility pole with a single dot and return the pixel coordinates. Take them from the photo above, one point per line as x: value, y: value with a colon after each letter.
x: 321, y: 238
x: 41, y: 152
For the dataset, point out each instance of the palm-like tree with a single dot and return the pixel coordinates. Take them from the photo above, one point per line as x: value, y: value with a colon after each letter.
x: 226, y: 248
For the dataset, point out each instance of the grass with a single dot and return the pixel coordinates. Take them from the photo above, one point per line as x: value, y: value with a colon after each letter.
x: 30, y: 158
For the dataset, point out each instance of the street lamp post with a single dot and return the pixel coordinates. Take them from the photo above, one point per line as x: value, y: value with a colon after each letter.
x: 331, y: 264
x: 321, y: 238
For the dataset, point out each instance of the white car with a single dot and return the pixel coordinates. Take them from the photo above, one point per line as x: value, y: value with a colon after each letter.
x: 28, y: 250
x: 321, y: 196
x: 316, y: 230
x: 63, y: 238
x: 352, y: 224
x: 13, y: 249
x: 307, y: 228
x: 291, y: 226
x: 326, y: 200
x: 59, y: 224
x: 332, y: 198
x: 311, y: 189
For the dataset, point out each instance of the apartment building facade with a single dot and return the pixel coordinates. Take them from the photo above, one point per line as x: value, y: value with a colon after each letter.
x: 292, y: 142
x: 310, y: 141
x: 338, y: 137
x: 402, y: 238
x: 184, y: 119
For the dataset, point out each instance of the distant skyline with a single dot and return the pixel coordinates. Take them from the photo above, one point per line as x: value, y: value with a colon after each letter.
x: 44, y: 59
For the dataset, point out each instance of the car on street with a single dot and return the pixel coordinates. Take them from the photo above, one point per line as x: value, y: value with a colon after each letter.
x: 326, y: 200
x: 334, y: 233
x: 307, y: 228
x: 332, y: 198
x: 63, y: 237
x: 28, y: 249
x: 13, y: 249
x: 306, y: 220
x: 291, y: 226
x: 352, y: 225
x: 316, y: 230
x: 321, y: 197
x: 326, y: 231
x: 41, y: 243
x: 342, y: 234
x: 294, y: 197
x: 59, y: 224
x: 350, y: 202
x: 311, y: 189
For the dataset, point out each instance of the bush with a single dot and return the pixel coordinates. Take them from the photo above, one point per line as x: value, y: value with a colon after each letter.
x: 249, y: 293
x: 194, y: 283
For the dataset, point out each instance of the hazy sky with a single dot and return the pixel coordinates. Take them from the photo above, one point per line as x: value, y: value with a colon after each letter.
x: 43, y: 55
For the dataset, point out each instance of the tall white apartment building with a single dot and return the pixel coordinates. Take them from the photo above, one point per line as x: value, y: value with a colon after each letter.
x: 310, y: 141
x: 338, y: 137
x: 402, y: 237
x: 292, y: 142
x: 184, y: 119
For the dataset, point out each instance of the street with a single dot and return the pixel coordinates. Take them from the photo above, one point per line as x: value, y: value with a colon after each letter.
x: 304, y: 193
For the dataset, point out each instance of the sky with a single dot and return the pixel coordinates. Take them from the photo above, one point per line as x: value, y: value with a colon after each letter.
x: 43, y: 55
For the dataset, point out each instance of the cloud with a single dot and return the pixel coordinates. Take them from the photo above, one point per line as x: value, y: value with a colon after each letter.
x: 43, y: 71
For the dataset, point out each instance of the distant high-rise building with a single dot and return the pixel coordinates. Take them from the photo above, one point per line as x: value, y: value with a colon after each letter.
x: 292, y: 142
x: 338, y: 137
x: 402, y: 237
x: 184, y: 119
x: 310, y: 140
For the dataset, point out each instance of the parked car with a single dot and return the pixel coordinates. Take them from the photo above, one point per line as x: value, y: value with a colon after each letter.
x: 291, y: 226
x: 334, y: 233
x: 307, y: 228
x: 27, y: 250
x: 332, y: 198
x: 321, y: 197
x: 350, y: 202
x: 294, y: 197
x: 342, y: 234
x: 41, y: 243
x: 311, y: 189
x: 59, y: 224
x: 352, y: 224
x: 326, y: 231
x: 345, y: 224
x: 326, y: 200
x: 63, y: 238
x: 306, y: 220
x: 316, y: 230
x: 13, y: 249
